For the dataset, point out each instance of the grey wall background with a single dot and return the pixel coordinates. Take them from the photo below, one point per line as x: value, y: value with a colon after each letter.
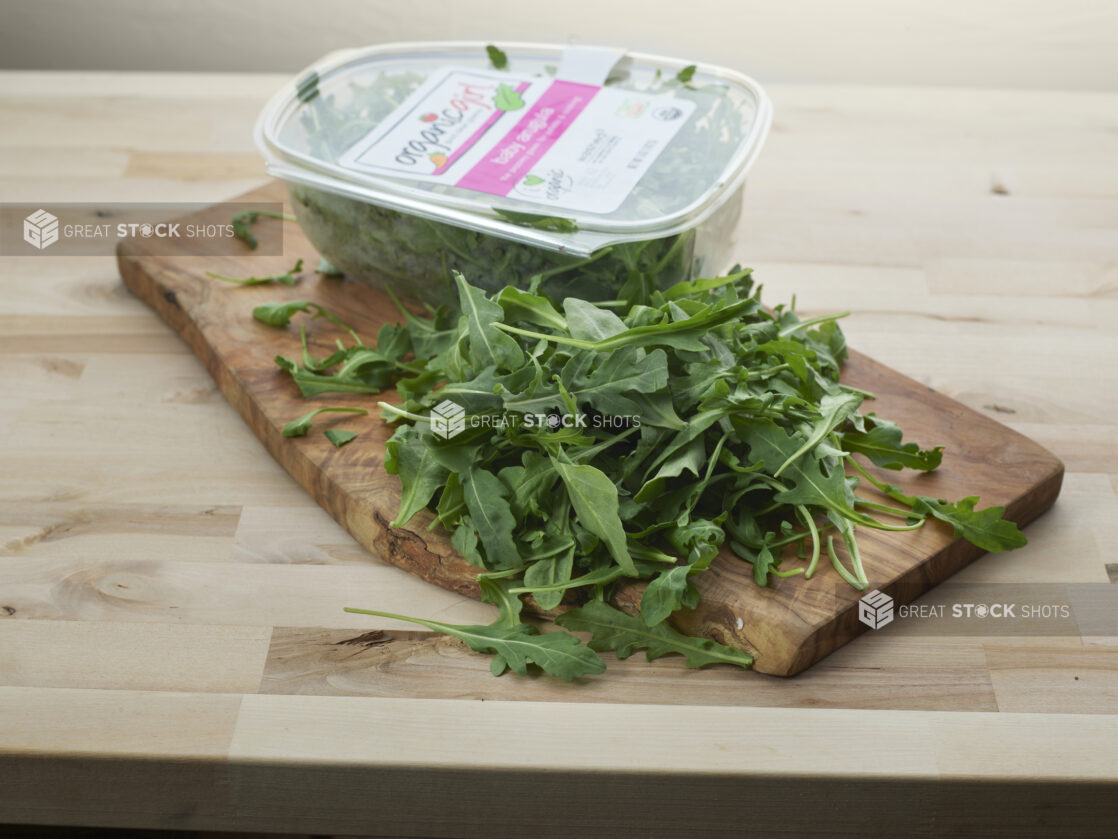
x: 1071, y: 44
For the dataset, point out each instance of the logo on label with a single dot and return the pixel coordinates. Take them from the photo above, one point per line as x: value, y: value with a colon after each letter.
x: 448, y: 419
x: 875, y: 609
x: 40, y: 229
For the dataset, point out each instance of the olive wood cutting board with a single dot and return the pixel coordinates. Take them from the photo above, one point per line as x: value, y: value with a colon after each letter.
x: 787, y: 626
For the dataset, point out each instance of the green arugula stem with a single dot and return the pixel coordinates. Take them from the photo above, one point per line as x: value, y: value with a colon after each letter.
x: 402, y: 414
x: 768, y: 371
x: 853, y: 581
x: 562, y: 269
x: 541, y: 336
x: 791, y: 572
x: 809, y: 520
x: 886, y: 489
x: 501, y: 575
x: 885, y: 508
x: 804, y: 324
x: 851, y: 389
x: 874, y: 524
x: 594, y: 451
x: 855, y: 556
x: 640, y: 551
x: 600, y: 577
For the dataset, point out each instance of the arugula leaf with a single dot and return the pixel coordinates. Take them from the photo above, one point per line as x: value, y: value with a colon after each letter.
x: 882, y: 444
x: 488, y: 346
x: 591, y: 323
x: 487, y: 500
x: 339, y: 436
x: 242, y: 222
x: 547, y: 573
x: 763, y: 565
x: 280, y: 314
x: 533, y: 308
x: 594, y: 498
x: 556, y: 653
x: 624, y: 634
x: 833, y: 409
x: 985, y: 528
x: 668, y: 592
x: 555, y: 223
x: 497, y: 591
x: 497, y: 58
x: 686, y: 74
x: 809, y: 484
x: 300, y: 427
x: 287, y: 278
x: 315, y: 384
x: 420, y: 476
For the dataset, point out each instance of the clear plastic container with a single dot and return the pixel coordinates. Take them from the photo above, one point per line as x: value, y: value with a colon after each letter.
x: 577, y: 171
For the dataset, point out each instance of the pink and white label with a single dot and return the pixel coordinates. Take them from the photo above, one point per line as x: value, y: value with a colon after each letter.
x: 551, y: 142
x: 514, y: 155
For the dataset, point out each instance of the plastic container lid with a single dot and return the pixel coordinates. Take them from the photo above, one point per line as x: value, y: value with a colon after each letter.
x: 612, y: 141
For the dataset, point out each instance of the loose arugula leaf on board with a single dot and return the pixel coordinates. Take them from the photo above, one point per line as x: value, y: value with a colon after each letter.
x: 242, y: 222
x: 985, y: 528
x: 315, y: 384
x: 339, y: 436
x: 300, y: 427
x: 624, y: 634
x: 287, y: 278
x: 280, y: 314
x: 881, y: 443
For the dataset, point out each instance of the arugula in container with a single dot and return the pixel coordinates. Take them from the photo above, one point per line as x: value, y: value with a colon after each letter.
x: 369, y: 240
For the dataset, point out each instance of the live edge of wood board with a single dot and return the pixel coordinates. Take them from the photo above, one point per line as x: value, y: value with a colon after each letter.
x: 788, y: 626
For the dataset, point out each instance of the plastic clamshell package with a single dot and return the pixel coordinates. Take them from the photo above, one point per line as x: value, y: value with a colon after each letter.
x: 411, y: 233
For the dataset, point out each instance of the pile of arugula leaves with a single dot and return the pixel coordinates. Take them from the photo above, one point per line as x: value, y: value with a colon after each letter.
x: 625, y: 440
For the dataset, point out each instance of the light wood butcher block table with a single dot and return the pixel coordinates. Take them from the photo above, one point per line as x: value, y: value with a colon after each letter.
x: 172, y: 650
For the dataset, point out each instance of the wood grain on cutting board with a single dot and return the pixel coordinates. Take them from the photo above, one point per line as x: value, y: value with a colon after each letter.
x: 788, y: 626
